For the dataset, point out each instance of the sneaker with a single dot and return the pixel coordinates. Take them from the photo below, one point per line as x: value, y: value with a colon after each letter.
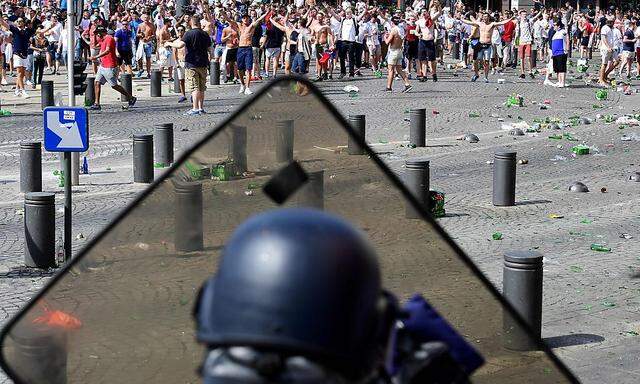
x: 4, y: 82
x: 248, y: 91
x: 29, y: 83
x: 435, y: 78
x: 522, y: 76
x: 388, y: 90
x: 24, y: 94
x: 139, y: 74
x: 182, y: 99
x: 474, y: 78
x: 17, y: 92
x: 531, y: 75
x: 192, y: 112
x: 170, y: 80
x: 95, y: 107
x: 486, y: 80
x: 241, y: 91
x: 202, y: 112
x: 132, y: 101
x: 407, y: 88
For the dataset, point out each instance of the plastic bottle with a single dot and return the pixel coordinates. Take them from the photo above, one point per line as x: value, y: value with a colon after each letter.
x: 600, y: 248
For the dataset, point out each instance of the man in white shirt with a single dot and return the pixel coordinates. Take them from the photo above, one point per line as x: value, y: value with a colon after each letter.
x: 52, y: 30
x: 637, y: 34
x: 346, y: 34
x: 606, y: 51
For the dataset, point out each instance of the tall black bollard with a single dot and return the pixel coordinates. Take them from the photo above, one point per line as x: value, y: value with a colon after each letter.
x: 522, y: 288
x: 214, y: 73
x: 416, y: 178
x: 284, y: 141
x: 90, y: 92
x: 188, y: 217
x: 30, y: 166
x: 358, y: 122
x: 156, y: 83
x: 127, y: 83
x: 239, y: 149
x: 40, y: 230
x: 504, y: 179
x: 142, y: 158
x: 311, y: 195
x: 418, y: 132
x: 39, y: 353
x: 176, y: 82
x: 163, y: 143
x: 46, y: 91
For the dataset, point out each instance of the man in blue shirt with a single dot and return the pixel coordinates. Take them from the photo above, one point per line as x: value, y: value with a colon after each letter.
x: 21, y: 37
x: 124, y: 50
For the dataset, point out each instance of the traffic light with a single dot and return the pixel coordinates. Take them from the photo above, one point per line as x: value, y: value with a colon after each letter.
x: 79, y: 77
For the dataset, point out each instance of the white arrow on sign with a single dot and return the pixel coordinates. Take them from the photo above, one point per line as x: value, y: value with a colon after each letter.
x: 68, y: 132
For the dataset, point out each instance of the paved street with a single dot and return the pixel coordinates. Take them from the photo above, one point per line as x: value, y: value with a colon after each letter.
x: 591, y: 299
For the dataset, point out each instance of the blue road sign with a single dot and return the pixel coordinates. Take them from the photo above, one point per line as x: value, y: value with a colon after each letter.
x: 66, y: 129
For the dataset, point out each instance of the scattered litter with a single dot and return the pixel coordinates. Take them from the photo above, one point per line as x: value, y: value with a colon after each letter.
x: 80, y: 236
x: 578, y: 187
x: 555, y: 137
x: 108, y: 168
x: 603, y: 190
x: 632, y: 333
x: 184, y: 130
x: 586, y: 120
x: 435, y: 112
x: 474, y: 114
x: 626, y: 236
x: 496, y: 236
x: 601, y: 94
x: 559, y: 158
x: 523, y: 161
x: 635, y: 177
x: 249, y: 193
x: 586, y: 221
x: 630, y: 137
x: 555, y: 216
x: 580, y: 149
x: 588, y: 307
x: 575, y: 268
x: 516, y: 132
x: 626, y: 120
x: 608, y: 304
x: 515, y: 101
x: 501, y: 81
x: 547, y: 101
x: 351, y: 89
x: 490, y: 162
x: 470, y: 137
x: 5, y: 112
x: 143, y: 246
x: 600, y: 248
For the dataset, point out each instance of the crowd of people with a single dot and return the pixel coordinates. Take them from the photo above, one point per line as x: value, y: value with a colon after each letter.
x: 258, y: 40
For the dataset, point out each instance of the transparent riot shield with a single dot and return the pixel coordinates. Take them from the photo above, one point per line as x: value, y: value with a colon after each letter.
x: 121, y: 312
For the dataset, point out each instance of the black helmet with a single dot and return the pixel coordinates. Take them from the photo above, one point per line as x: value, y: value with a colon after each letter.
x: 299, y: 282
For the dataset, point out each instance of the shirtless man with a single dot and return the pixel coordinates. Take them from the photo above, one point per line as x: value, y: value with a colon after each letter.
x: 167, y: 59
x: 484, y: 50
x: 146, y: 32
x: 244, y: 56
x: 324, y: 42
x: 394, y: 39
x: 230, y: 38
x: 426, y: 45
x: 179, y: 54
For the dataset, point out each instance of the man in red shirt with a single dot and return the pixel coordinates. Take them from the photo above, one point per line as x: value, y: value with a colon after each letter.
x: 108, y: 70
x: 507, y: 41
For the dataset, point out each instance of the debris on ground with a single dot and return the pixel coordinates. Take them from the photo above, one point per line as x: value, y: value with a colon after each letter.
x: 80, y: 236
x: 496, y: 236
x: 580, y: 149
x: 586, y: 221
x: 555, y: 216
x: 607, y: 303
x: 603, y: 190
x: 523, y: 161
x: 351, y: 89
x: 516, y: 132
x: 474, y: 114
x: 470, y: 137
x: 628, y: 121
x: 626, y: 236
x: 515, y: 100
x: 602, y: 94
x: 630, y: 137
x: 578, y: 187
x: 575, y: 268
x: 600, y: 248
x: 635, y: 177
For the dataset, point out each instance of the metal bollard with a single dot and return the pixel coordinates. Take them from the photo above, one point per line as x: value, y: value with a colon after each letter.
x: 163, y: 144
x: 534, y: 58
x: 46, y: 91
x: 504, y: 179
x: 239, y: 148
x: 358, y: 122
x: 284, y: 141
x: 188, y: 217
x: 214, y: 73
x: 418, y: 132
x: 176, y: 82
x: 311, y: 195
x: 40, y: 230
x: 142, y: 158
x: 156, y: 83
x: 127, y: 83
x: 455, y: 50
x: 416, y: 179
x: 39, y: 353
x: 522, y: 288
x: 90, y: 92
x: 30, y: 166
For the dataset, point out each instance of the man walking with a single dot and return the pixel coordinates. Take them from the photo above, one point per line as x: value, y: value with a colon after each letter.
x: 394, y: 39
x: 196, y: 61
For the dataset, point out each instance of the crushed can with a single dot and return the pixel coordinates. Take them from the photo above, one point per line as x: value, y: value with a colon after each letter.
x: 436, y: 199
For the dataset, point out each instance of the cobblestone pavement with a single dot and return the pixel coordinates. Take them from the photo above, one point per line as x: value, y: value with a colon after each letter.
x: 591, y: 299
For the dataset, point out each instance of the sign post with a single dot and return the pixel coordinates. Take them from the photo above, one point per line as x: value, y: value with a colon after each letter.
x: 66, y: 129
x: 72, y: 8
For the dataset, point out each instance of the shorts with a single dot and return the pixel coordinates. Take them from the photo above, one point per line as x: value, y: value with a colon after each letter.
x: 166, y: 57
x: 560, y: 64
x: 20, y: 62
x: 272, y: 53
x: 426, y: 50
x: 180, y: 71
x: 232, y: 55
x: 412, y: 49
x: 638, y: 55
x: 628, y: 55
x: 607, y: 56
x: 299, y: 65
x: 439, y: 48
x: 484, y: 52
x: 125, y: 57
x: 195, y: 79
x: 218, y: 51
x: 394, y: 56
x: 244, y: 58
x: 52, y: 48
x: 474, y: 45
x: 524, y: 50
x: 148, y: 50
x: 584, y: 41
x: 107, y: 76
x: 374, y: 49
x: 256, y: 53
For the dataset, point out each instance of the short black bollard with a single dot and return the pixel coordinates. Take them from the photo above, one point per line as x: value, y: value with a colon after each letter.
x: 156, y: 83
x: 311, y: 195
x: 90, y: 92
x: 40, y: 229
x: 239, y: 149
x: 358, y: 122
x: 39, y: 353
x: 30, y: 166
x: 188, y: 217
x: 142, y: 158
x: 416, y: 179
x: 504, y: 179
x: 176, y: 82
x: 418, y: 132
x: 126, y: 80
x: 522, y: 288
x: 46, y: 91
x: 163, y: 143
x: 214, y: 73
x: 284, y: 141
